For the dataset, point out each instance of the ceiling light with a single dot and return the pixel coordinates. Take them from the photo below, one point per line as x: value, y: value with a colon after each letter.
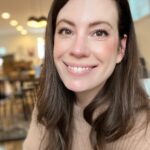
x: 19, y: 28
x: 42, y: 21
x: 37, y: 22
x: 5, y: 15
x: 13, y: 23
x: 32, y: 22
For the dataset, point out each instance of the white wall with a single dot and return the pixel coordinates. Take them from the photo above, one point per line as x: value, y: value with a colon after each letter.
x: 21, y: 45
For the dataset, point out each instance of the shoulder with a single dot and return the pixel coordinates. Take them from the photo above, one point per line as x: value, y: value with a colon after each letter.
x: 138, y: 138
x: 141, y: 130
x: 35, y: 133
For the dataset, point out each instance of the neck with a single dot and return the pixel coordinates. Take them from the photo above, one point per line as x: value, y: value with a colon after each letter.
x: 86, y: 97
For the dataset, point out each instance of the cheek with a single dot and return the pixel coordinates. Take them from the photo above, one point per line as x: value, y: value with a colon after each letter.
x: 107, y: 49
x: 61, y: 46
x: 58, y: 50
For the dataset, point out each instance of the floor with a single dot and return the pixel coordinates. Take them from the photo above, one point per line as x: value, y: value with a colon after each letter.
x: 14, y: 123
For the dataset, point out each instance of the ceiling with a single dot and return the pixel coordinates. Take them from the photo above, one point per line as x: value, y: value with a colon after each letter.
x: 21, y: 10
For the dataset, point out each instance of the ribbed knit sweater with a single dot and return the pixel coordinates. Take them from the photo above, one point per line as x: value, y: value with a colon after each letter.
x: 137, y: 139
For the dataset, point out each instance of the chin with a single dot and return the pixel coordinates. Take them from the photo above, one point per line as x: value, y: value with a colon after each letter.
x: 75, y: 88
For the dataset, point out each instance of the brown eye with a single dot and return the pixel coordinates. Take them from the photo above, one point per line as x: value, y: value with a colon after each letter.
x: 65, y: 31
x: 100, y: 33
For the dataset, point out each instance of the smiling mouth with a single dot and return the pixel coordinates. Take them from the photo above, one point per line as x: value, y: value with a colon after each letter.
x: 79, y: 69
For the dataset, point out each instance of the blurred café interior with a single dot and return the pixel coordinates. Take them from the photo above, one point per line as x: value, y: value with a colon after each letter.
x: 22, y: 28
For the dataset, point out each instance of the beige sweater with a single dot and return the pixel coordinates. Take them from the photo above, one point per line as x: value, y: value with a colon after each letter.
x: 137, y: 139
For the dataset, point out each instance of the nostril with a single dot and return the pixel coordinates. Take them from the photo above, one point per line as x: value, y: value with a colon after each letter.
x: 94, y: 66
x: 79, y: 53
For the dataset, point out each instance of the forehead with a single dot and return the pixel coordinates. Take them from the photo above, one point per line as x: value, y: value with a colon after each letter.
x: 84, y: 11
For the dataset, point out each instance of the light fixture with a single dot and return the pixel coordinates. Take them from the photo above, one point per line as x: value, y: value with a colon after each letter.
x: 34, y: 22
x: 19, y: 28
x: 43, y: 21
x: 13, y: 23
x: 5, y: 15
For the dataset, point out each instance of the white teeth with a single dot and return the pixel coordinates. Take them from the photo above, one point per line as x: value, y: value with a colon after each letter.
x: 79, y: 69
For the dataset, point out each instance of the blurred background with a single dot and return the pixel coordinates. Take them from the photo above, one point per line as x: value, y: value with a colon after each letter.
x: 22, y: 28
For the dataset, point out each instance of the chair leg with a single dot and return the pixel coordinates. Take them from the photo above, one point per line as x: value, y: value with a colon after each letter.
x: 24, y: 107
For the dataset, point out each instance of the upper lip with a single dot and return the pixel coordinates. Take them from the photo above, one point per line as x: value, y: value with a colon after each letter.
x: 80, y: 65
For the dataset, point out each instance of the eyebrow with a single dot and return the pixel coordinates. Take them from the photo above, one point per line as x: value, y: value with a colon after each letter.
x: 100, y: 22
x: 65, y: 21
x: 95, y: 23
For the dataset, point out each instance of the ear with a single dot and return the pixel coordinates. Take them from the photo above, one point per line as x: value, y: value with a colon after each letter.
x: 122, y: 48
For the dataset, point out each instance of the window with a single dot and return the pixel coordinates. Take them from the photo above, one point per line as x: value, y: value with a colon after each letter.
x: 40, y: 47
x: 139, y: 8
x: 2, y: 51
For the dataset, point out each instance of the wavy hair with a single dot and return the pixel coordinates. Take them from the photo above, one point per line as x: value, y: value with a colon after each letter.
x: 122, y: 90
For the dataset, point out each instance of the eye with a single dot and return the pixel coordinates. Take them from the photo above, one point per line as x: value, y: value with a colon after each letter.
x: 100, y: 33
x: 65, y: 32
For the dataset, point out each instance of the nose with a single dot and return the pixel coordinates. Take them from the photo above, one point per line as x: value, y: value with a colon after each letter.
x: 79, y: 48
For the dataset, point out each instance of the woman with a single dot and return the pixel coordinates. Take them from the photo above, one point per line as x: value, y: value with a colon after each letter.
x: 90, y: 97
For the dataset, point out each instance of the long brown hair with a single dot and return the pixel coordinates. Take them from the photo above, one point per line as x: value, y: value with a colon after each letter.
x: 122, y: 90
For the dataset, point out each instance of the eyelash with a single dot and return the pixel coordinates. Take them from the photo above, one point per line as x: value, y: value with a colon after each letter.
x: 65, y: 31
x: 101, y: 32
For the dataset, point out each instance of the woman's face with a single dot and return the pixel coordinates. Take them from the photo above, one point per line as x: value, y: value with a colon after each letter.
x: 86, y: 44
